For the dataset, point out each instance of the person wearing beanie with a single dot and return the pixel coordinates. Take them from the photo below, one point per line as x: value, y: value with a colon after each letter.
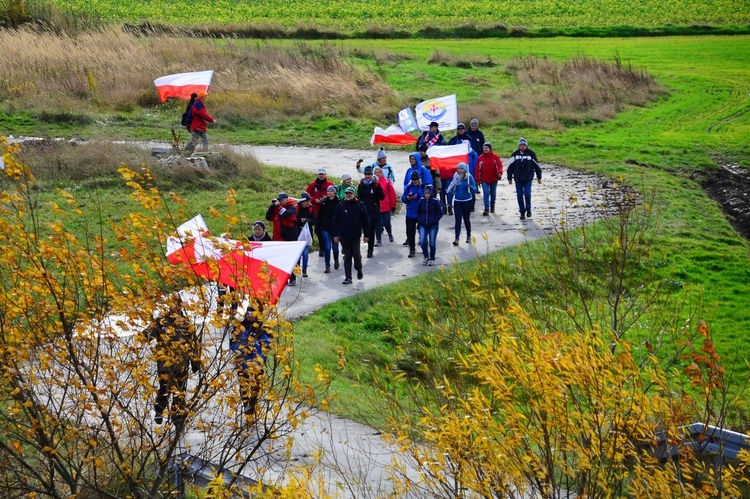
x: 283, y: 214
x: 317, y: 191
x: 464, y: 188
x: 446, y: 174
x: 351, y: 221
x: 411, y: 196
x: 522, y: 167
x: 387, y: 206
x: 346, y: 181
x: 324, y: 226
x: 476, y: 136
x: 259, y: 232
x: 381, y: 161
x: 305, y: 216
x: 198, y: 124
x: 370, y: 193
x: 429, y: 213
x: 489, y: 171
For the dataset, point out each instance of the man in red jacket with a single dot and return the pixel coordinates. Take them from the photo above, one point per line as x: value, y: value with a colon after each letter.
x: 198, y: 124
x: 489, y: 171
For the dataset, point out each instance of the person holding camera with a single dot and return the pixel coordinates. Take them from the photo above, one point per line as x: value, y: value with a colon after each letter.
x: 283, y: 214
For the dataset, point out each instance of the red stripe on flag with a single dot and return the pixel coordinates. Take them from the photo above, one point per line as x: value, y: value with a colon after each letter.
x: 179, y: 91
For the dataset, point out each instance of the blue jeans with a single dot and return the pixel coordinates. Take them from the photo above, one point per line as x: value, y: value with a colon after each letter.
x: 304, y: 259
x: 428, y: 234
x: 489, y: 192
x: 443, y: 194
x: 384, y: 222
x: 326, y: 240
x: 462, y: 211
x: 523, y: 193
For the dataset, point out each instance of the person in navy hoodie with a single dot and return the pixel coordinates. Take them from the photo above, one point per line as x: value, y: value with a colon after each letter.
x: 429, y: 213
x: 415, y: 165
x: 522, y: 166
x: 412, y: 194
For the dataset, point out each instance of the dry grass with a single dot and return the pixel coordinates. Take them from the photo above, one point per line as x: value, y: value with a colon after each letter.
x: 551, y: 94
x: 469, y: 60
x: 109, y: 69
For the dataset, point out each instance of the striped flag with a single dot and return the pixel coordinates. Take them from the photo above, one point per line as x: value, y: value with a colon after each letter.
x: 260, y: 269
x: 446, y: 158
x: 181, y: 85
x: 392, y: 135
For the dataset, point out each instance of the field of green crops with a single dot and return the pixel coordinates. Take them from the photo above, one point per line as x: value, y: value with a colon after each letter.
x: 357, y: 15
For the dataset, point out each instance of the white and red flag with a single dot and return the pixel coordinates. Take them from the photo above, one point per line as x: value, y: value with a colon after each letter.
x: 181, y: 85
x: 392, y: 135
x: 446, y: 158
x: 260, y: 269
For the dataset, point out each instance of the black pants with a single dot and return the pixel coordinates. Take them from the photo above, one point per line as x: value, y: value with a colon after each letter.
x: 371, y: 234
x: 411, y: 233
x: 174, y: 384
x: 350, y: 249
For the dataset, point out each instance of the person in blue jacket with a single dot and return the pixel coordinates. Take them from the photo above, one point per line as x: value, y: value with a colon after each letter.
x: 522, y: 167
x: 429, y: 213
x: 251, y: 343
x: 415, y: 165
x: 462, y: 187
x: 412, y: 194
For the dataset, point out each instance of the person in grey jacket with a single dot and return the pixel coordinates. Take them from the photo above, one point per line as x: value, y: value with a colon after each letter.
x: 522, y: 167
x: 463, y: 188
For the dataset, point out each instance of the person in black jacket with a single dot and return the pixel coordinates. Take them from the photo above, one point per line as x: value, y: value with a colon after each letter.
x: 349, y: 223
x: 371, y: 194
x: 324, y: 228
x: 429, y: 213
x: 522, y: 166
x: 475, y: 136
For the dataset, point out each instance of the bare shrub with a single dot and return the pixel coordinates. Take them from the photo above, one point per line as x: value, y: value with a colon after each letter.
x: 111, y: 69
x: 469, y: 60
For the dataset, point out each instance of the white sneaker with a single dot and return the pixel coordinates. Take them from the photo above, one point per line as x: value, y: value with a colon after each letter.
x: 425, y: 261
x: 431, y: 263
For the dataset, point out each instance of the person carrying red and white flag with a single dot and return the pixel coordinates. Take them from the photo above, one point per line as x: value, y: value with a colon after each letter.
x: 392, y: 135
x: 182, y: 85
x: 260, y: 269
x: 446, y: 158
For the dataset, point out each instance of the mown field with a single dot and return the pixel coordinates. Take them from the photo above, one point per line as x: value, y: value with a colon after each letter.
x: 357, y: 15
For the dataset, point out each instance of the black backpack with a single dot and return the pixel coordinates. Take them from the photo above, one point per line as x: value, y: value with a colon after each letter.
x: 187, y: 116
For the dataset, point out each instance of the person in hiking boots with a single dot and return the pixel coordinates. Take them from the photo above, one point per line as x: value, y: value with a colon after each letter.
x: 199, y: 123
x: 429, y: 213
x: 463, y: 186
x: 489, y: 171
x: 382, y: 162
x: 387, y: 206
x: 411, y: 196
x: 317, y: 190
x: 522, y: 167
x: 325, y: 228
x: 371, y: 194
x: 349, y: 223
x: 283, y: 214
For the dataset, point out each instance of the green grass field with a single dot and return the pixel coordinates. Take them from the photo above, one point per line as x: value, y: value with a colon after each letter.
x: 358, y: 15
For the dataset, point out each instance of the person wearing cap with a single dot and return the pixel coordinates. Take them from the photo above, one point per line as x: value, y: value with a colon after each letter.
x: 317, y: 191
x: 325, y: 228
x: 429, y: 213
x: 283, y: 214
x: 431, y: 137
x: 346, y: 181
x: 371, y: 194
x: 522, y: 167
x: 463, y: 188
x: 381, y: 161
x: 476, y: 136
x: 411, y: 196
x: 198, y: 123
x: 351, y: 221
x: 489, y: 171
x: 387, y: 205
x: 259, y: 232
x: 305, y: 216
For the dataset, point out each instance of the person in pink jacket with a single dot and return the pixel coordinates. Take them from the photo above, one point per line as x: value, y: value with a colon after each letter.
x: 199, y: 123
x: 387, y: 206
x: 489, y: 171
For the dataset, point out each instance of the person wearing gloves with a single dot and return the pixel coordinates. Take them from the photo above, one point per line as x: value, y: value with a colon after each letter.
x: 412, y: 194
x: 429, y: 213
x: 283, y: 214
x: 382, y: 162
x: 462, y: 187
x: 522, y: 167
x: 489, y: 171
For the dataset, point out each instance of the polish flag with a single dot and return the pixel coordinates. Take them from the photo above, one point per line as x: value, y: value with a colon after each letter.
x: 260, y: 269
x: 181, y: 85
x: 392, y: 135
x: 446, y: 158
